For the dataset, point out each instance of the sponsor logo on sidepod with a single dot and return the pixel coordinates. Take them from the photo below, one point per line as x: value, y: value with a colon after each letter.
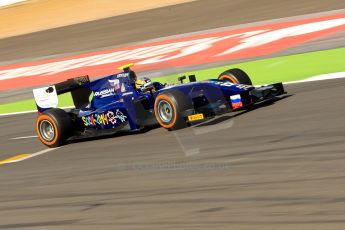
x: 105, y: 93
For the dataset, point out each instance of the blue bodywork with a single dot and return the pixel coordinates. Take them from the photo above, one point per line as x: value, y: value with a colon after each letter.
x: 113, y: 103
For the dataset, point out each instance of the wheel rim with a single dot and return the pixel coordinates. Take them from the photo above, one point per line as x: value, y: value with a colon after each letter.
x: 165, y: 111
x: 228, y: 78
x: 47, y: 130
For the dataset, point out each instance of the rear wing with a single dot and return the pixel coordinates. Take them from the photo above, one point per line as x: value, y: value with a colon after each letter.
x: 47, y: 97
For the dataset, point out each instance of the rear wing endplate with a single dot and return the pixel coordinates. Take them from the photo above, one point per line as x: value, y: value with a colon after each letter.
x: 47, y: 97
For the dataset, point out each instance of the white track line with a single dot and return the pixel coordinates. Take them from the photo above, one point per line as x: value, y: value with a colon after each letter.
x: 34, y: 155
x: 24, y: 156
x: 322, y: 77
x: 18, y: 113
x: 29, y: 111
x: 26, y: 137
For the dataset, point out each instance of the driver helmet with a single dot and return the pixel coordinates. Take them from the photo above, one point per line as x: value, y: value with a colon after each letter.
x: 144, y: 84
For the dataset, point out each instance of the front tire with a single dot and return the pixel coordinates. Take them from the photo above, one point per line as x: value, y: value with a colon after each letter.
x: 169, y: 109
x: 53, y: 127
x: 236, y: 76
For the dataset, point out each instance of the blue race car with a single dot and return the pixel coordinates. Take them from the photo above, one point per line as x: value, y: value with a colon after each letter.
x: 122, y: 102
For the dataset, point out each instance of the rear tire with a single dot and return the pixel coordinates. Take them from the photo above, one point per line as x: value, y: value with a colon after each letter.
x: 53, y: 127
x: 236, y: 76
x: 169, y: 109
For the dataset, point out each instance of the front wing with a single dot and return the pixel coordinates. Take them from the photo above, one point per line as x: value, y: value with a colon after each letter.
x: 242, y: 101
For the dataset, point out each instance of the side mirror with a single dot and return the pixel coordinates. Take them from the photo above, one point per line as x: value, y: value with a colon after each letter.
x: 180, y: 79
x: 50, y: 89
x: 192, y: 78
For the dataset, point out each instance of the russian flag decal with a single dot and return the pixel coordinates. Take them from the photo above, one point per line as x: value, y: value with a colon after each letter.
x: 236, y: 101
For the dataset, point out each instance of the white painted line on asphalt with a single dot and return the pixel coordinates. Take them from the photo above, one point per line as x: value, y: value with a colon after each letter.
x: 18, y: 113
x: 25, y: 156
x: 30, y: 111
x: 322, y: 77
x: 34, y: 155
x: 235, y: 160
x: 26, y: 137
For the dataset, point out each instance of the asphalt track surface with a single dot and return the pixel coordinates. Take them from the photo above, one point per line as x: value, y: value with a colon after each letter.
x: 277, y: 167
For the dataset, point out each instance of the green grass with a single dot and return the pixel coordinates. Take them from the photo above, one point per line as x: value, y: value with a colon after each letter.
x: 29, y: 104
x: 287, y: 68
x: 279, y: 69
